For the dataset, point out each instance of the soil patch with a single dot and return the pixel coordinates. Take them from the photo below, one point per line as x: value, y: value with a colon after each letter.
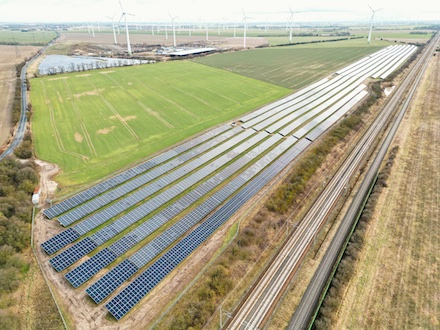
x: 105, y: 130
x: 78, y: 137
x: 89, y: 93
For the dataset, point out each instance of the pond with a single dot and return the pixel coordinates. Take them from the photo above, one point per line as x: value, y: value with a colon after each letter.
x: 53, y: 64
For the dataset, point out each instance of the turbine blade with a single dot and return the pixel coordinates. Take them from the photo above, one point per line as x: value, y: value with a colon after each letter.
x: 371, y: 8
x: 120, y: 4
x: 120, y: 19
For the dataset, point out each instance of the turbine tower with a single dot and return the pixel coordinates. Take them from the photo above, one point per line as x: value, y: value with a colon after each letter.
x: 124, y: 14
x: 371, y: 22
x: 114, y: 30
x: 291, y: 23
x: 245, y: 18
x: 174, y: 29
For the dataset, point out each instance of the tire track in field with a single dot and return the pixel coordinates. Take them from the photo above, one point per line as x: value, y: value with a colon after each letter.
x: 58, y: 139
x: 222, y: 95
x: 115, y: 112
x: 81, y: 122
x: 167, y: 99
x: 192, y: 96
x: 156, y: 115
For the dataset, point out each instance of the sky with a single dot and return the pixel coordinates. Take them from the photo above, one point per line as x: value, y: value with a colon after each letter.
x: 60, y: 11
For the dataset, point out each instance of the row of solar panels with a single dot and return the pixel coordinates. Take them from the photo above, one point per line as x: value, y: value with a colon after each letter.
x: 107, y: 284
x: 114, y: 181
x: 326, y: 124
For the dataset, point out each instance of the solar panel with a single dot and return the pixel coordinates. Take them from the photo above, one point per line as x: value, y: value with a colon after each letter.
x: 329, y: 110
x: 72, y: 254
x: 92, y: 266
x: 60, y: 240
x: 111, y: 281
x: 317, y: 131
x: 285, y: 102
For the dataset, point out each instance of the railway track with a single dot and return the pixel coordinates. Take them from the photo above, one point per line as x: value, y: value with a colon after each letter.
x: 258, y: 304
x: 315, y: 293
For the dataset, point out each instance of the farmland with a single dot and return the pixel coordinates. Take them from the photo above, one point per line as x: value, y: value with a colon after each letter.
x: 293, y: 66
x: 96, y: 123
x: 26, y: 38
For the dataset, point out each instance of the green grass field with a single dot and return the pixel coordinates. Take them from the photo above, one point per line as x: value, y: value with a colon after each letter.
x: 293, y: 66
x: 26, y: 38
x: 94, y: 123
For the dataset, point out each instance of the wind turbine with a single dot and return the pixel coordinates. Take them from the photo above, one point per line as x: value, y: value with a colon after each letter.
x: 291, y: 23
x: 174, y: 30
x: 371, y: 22
x: 124, y: 14
x: 245, y: 18
x: 113, y: 26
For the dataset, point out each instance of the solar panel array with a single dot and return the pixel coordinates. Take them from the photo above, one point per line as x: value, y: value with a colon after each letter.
x: 216, y: 174
x: 326, y: 124
x: 101, y: 187
x: 122, y: 303
x: 321, y: 116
